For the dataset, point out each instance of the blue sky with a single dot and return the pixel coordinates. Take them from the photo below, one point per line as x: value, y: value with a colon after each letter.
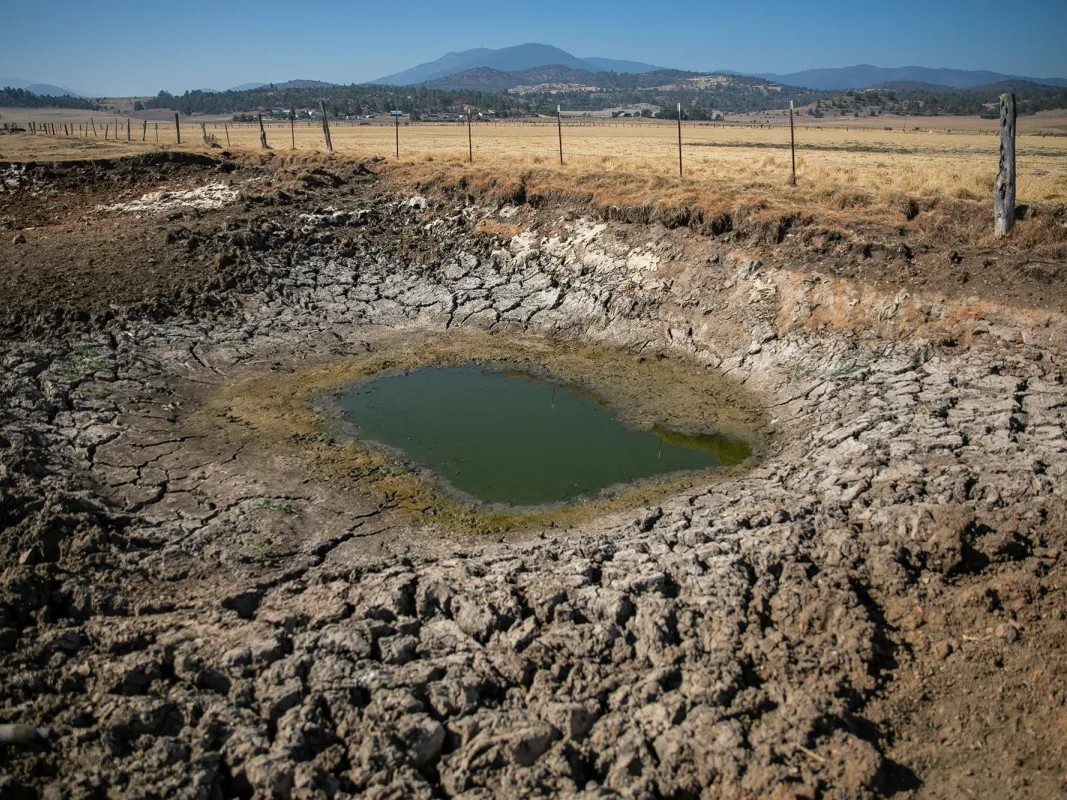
x: 122, y: 47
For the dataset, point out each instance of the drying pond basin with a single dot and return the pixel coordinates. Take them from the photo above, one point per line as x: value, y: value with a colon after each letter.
x: 479, y: 433
x: 507, y: 437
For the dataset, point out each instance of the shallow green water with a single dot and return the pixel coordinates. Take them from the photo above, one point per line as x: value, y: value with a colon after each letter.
x: 511, y: 438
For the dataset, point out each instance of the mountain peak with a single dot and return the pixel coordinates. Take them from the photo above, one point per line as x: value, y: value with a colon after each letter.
x: 47, y: 89
x: 862, y: 76
x: 507, y: 59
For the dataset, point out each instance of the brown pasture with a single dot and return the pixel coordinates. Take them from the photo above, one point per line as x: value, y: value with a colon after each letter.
x: 847, y: 165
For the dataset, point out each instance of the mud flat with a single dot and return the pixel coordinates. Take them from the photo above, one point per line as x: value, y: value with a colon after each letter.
x: 199, y: 600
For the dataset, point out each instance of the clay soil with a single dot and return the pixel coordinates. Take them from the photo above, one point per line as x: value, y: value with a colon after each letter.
x: 957, y: 685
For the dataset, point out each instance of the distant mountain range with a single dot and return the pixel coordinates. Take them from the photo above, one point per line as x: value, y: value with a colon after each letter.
x: 508, y: 59
x: 864, y: 76
x: 299, y: 83
x: 49, y: 90
x: 526, y: 57
x: 487, y: 79
x: 37, y: 88
x: 556, y: 77
x: 486, y: 69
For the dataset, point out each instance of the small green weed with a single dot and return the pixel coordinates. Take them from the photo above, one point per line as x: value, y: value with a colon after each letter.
x: 281, y: 506
x: 846, y: 370
x: 264, y: 550
x: 853, y: 367
x: 80, y: 365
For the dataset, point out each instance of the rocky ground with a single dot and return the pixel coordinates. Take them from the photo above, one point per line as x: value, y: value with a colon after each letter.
x: 876, y: 608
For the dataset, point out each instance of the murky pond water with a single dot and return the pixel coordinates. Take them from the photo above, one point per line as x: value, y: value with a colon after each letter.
x: 511, y: 438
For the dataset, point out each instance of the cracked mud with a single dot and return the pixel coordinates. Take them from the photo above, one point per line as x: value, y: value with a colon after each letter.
x: 194, y: 611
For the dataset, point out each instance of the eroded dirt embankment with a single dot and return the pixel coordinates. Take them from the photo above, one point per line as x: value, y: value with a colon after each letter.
x: 877, y: 607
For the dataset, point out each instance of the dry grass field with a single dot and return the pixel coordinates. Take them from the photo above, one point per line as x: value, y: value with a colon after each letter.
x: 843, y: 167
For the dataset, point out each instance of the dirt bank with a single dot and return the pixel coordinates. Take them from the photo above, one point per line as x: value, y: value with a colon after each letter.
x: 876, y: 609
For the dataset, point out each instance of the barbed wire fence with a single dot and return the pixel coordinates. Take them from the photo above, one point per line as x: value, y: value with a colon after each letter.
x: 114, y: 128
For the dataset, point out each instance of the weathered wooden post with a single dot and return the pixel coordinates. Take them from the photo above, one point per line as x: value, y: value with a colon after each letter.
x: 292, y: 130
x: 1004, y: 188
x: 326, y: 127
x: 792, y: 145
x: 397, y: 118
x: 679, y: 140
x: 156, y: 126
x: 94, y: 126
x: 262, y: 134
x: 203, y: 133
x: 177, y: 129
x: 127, y: 129
x: 470, y: 141
x: 144, y: 130
x: 559, y: 129
x: 226, y: 128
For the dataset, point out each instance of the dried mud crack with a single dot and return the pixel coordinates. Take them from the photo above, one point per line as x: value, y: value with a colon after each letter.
x: 875, y: 609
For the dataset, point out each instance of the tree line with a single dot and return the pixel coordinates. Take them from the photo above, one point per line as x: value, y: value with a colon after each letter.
x: 20, y: 98
x: 736, y: 94
x: 342, y: 101
x: 358, y: 100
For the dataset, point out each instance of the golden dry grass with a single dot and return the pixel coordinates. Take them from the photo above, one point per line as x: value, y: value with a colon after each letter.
x: 844, y: 171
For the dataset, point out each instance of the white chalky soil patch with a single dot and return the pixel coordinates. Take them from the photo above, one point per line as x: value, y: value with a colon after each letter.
x: 214, y: 195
